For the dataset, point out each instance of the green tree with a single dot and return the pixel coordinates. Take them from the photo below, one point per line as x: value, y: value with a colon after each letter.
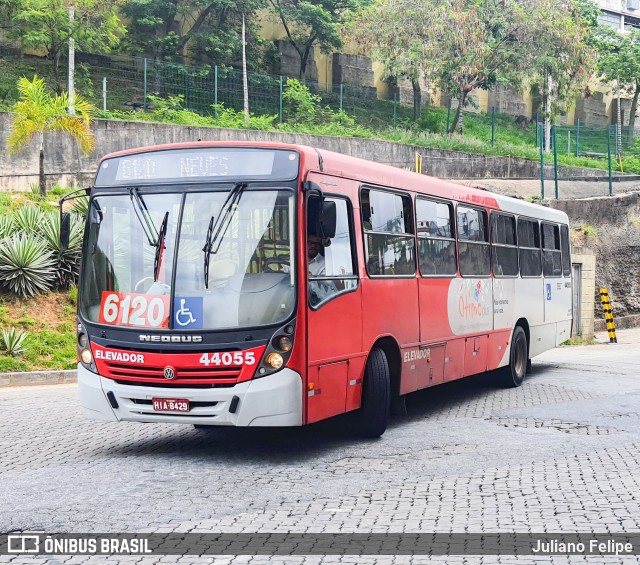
x: 313, y: 23
x: 479, y: 44
x: 562, y: 57
x: 44, y: 25
x: 39, y: 111
x: 210, y: 29
x: 460, y: 45
x: 399, y: 34
x: 619, y: 59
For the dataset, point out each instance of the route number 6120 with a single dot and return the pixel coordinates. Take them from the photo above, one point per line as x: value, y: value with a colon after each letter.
x: 228, y: 358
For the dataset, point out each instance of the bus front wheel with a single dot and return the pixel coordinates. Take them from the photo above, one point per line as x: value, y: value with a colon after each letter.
x: 376, y: 390
x: 513, y: 374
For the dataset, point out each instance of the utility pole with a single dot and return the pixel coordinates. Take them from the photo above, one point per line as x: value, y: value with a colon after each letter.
x: 71, y: 88
x: 245, y: 82
x: 547, y: 115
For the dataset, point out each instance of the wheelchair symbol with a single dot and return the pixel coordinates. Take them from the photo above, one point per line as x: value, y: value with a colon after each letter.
x: 184, y: 317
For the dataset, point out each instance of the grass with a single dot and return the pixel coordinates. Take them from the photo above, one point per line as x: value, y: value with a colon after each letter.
x: 50, y: 323
x: 49, y: 319
x: 579, y: 340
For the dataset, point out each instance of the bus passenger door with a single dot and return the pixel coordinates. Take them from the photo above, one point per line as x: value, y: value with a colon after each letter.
x: 334, y: 320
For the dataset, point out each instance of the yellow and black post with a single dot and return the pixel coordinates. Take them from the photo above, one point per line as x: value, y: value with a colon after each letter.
x: 608, y: 315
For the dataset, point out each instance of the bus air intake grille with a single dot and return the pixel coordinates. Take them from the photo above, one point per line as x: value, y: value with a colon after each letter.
x: 155, y: 375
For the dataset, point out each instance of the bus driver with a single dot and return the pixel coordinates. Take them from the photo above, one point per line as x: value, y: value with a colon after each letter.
x: 314, y: 256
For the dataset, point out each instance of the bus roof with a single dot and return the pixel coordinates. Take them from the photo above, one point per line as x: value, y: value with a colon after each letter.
x: 363, y: 170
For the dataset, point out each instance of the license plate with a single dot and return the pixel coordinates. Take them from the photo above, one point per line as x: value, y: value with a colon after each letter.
x: 170, y: 404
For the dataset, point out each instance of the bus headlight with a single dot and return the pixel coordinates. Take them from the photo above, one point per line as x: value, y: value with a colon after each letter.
x: 284, y: 343
x: 278, y: 352
x: 86, y: 357
x: 275, y: 360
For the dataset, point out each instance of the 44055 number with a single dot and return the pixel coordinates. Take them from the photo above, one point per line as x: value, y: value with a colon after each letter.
x: 228, y: 358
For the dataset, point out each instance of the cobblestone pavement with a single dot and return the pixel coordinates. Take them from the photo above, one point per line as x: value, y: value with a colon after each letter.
x: 559, y: 454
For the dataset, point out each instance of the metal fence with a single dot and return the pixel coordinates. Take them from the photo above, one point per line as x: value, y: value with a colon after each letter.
x: 615, y: 148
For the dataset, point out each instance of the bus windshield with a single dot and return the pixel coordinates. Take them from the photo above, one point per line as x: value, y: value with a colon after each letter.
x: 203, y: 260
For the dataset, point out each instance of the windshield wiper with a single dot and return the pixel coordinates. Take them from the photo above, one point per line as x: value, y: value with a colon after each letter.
x: 160, y: 246
x: 154, y: 236
x: 218, y: 226
x: 142, y: 213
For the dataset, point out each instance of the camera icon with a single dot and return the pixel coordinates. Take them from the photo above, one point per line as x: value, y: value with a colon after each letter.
x: 23, y: 543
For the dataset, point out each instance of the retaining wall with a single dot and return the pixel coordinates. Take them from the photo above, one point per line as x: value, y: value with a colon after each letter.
x: 65, y: 164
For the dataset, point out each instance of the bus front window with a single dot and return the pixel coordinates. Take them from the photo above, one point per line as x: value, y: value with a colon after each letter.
x: 130, y: 248
x: 234, y: 265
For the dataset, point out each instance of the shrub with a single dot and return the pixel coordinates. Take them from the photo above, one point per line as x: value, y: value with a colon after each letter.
x: 5, y: 200
x: 29, y: 219
x: 299, y: 105
x: 12, y: 341
x: 67, y: 261
x: 26, y: 265
x: 229, y: 118
x: 7, y: 225
x: 81, y: 206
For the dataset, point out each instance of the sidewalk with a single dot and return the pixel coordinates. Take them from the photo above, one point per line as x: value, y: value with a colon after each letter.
x: 629, y: 336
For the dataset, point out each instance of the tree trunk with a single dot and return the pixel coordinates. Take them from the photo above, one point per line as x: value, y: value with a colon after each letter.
x: 417, y: 99
x: 43, y: 180
x: 457, y: 119
x: 634, y: 109
x: 304, y: 58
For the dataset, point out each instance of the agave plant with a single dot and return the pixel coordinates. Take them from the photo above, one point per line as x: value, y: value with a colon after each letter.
x: 27, y: 266
x: 29, y: 219
x: 12, y: 341
x: 7, y: 225
x: 67, y: 261
x: 81, y: 206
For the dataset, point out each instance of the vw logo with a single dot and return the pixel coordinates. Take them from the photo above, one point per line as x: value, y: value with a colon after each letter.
x: 169, y: 373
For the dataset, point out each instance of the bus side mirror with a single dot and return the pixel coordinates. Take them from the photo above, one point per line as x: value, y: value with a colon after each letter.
x: 65, y: 230
x: 327, y: 220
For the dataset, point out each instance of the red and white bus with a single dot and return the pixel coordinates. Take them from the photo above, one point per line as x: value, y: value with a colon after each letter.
x: 266, y: 284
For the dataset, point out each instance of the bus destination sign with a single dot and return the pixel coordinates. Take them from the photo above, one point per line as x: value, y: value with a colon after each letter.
x: 199, y: 164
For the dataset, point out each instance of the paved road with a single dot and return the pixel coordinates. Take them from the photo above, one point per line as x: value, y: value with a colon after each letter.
x: 558, y: 454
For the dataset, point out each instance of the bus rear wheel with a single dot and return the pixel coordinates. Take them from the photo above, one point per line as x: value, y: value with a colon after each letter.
x: 373, y: 415
x: 513, y: 374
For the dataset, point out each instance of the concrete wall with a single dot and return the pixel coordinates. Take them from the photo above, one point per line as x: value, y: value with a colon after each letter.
x: 616, y: 245
x: 65, y: 164
x: 586, y: 258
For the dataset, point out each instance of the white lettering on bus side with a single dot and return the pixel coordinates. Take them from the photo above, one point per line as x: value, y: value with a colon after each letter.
x: 119, y: 356
x: 416, y: 354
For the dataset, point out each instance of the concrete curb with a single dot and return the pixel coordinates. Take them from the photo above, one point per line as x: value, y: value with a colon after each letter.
x: 36, y: 378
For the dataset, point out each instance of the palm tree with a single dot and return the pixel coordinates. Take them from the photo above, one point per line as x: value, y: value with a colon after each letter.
x: 39, y: 110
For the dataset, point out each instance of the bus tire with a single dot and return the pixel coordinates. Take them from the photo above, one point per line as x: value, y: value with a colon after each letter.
x: 513, y: 374
x: 373, y: 415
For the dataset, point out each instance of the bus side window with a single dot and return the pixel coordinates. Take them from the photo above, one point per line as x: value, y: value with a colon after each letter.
x: 566, y: 253
x: 338, y: 273
x: 436, y: 240
x: 551, y: 254
x: 473, y: 242
x: 529, y: 248
x: 387, y: 222
x: 504, y: 247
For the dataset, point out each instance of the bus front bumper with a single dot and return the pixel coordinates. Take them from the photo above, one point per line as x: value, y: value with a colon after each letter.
x: 275, y: 400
